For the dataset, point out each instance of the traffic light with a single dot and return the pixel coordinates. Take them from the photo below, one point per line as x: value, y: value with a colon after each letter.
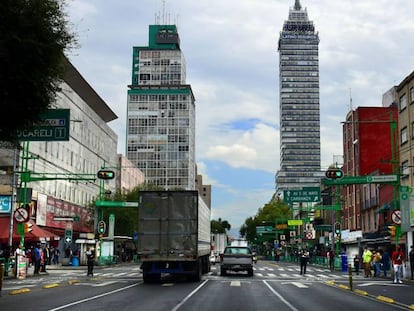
x: 391, y: 230
x: 106, y: 174
x: 334, y: 173
x: 337, y: 228
x: 101, y: 227
x: 28, y: 227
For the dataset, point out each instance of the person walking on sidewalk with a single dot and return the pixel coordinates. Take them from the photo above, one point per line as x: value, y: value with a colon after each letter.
x: 37, y: 258
x: 90, y: 257
x: 366, y: 260
x: 398, y: 259
x: 385, y: 262
x: 411, y: 257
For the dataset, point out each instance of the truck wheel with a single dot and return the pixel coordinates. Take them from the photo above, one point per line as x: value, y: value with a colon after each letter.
x: 223, y: 272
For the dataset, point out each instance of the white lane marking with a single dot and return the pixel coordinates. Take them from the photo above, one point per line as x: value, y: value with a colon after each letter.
x: 189, y: 296
x: 287, y: 303
x: 95, y: 297
x: 271, y: 275
x: 235, y: 283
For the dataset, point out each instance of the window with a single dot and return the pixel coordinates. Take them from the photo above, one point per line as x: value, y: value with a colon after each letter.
x: 405, y: 169
x: 403, y: 102
x: 403, y: 135
x: 412, y: 94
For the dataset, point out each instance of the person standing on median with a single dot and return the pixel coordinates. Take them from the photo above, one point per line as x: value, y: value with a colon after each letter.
x: 90, y: 258
x: 398, y: 259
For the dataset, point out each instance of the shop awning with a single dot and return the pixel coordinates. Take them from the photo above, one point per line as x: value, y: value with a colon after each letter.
x: 385, y: 207
x: 37, y: 233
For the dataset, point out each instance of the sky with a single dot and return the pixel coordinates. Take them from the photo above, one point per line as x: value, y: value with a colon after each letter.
x: 230, y: 48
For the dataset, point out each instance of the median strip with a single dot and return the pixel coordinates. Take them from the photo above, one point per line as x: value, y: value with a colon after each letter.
x: 19, y: 291
x: 51, y: 285
x: 385, y: 299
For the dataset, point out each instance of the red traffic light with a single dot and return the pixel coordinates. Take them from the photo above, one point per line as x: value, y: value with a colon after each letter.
x: 106, y: 174
x: 334, y: 173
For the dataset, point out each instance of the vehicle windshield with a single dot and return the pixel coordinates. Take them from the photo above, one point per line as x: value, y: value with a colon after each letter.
x: 237, y: 250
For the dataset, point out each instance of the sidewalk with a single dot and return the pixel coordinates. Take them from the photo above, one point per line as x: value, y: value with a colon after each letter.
x: 30, y: 270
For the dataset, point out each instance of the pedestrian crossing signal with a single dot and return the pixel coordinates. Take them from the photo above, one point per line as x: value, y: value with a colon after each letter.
x: 334, y: 173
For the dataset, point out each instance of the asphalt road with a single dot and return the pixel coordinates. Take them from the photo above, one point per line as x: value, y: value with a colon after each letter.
x: 273, y: 286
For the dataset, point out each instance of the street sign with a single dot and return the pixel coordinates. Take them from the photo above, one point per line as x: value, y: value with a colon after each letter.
x: 396, y: 217
x: 353, y: 180
x: 53, y: 126
x: 115, y: 204
x: 5, y: 203
x: 264, y: 229
x: 66, y: 218
x: 21, y: 215
x: 295, y: 222
x: 306, y: 194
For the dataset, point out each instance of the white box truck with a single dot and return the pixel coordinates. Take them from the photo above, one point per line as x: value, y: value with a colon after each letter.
x: 173, y: 234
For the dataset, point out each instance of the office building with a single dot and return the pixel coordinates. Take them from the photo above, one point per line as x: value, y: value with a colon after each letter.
x: 300, y: 155
x: 161, y: 112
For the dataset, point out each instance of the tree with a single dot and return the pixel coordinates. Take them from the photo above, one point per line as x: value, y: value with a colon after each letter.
x: 219, y: 226
x: 33, y: 37
x: 272, y: 212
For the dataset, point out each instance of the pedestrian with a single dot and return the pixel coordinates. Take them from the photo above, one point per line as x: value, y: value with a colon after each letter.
x: 331, y: 257
x: 411, y: 257
x: 377, y: 258
x: 43, y: 259
x: 56, y: 254
x: 366, y: 260
x: 37, y: 258
x: 90, y: 258
x: 356, y: 264
x: 398, y: 259
x: 385, y: 262
x: 304, y: 257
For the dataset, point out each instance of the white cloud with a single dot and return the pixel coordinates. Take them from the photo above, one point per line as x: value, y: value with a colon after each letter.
x: 232, y: 65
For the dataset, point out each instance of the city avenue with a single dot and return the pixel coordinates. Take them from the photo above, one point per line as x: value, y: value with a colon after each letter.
x: 274, y: 284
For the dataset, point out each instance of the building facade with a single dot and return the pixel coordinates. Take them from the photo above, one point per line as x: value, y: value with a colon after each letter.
x: 300, y: 155
x: 68, y: 169
x: 404, y: 97
x: 128, y: 175
x: 366, y: 207
x: 161, y: 112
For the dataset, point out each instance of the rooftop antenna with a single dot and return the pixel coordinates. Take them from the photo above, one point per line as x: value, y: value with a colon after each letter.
x: 163, y: 12
x: 350, y: 99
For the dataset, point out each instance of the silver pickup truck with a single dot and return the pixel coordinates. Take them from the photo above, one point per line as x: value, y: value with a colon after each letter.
x: 236, y: 258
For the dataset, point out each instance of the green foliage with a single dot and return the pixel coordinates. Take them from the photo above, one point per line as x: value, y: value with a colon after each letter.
x: 33, y: 37
x: 219, y: 226
x: 276, y: 211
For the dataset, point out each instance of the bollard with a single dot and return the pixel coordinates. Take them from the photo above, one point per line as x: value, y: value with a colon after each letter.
x: 1, y: 275
x: 350, y: 275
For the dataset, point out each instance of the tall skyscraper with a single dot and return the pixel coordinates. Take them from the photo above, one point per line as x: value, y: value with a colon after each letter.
x: 300, y: 154
x: 161, y: 112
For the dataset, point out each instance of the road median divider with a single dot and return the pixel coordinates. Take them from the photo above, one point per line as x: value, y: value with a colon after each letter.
x: 19, y: 291
x: 385, y: 299
x: 52, y: 285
